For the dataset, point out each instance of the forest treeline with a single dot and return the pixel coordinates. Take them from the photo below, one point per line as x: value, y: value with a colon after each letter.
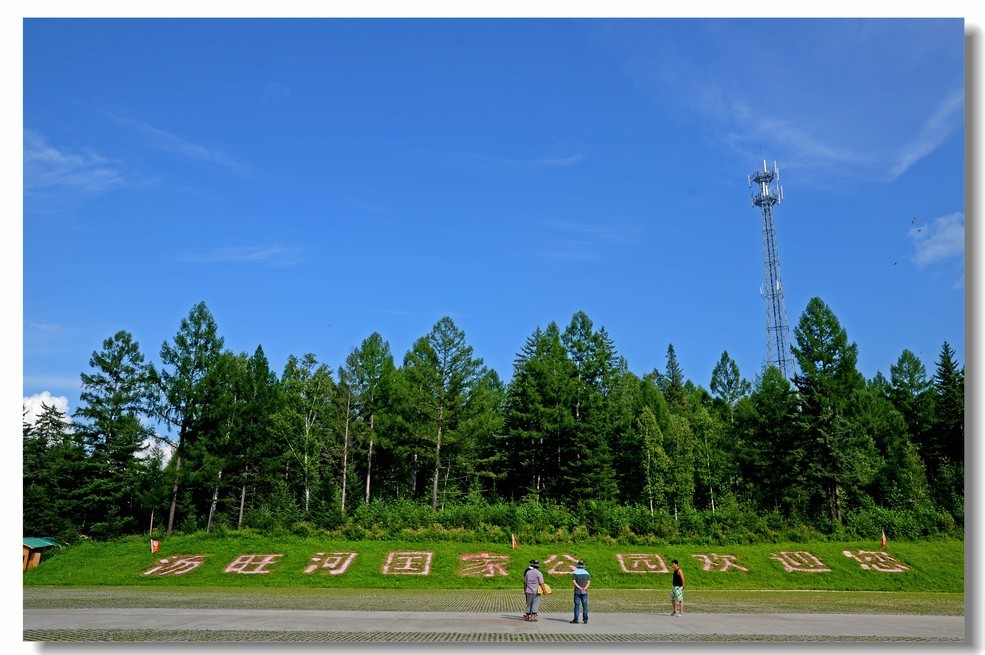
x: 206, y: 439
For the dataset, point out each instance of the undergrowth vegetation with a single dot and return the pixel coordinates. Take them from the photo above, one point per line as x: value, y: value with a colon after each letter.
x: 540, y: 523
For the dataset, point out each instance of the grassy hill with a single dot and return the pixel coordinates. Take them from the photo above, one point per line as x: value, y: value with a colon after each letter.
x: 932, y: 566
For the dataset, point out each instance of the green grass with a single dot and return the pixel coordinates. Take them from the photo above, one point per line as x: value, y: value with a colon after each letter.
x: 934, y: 566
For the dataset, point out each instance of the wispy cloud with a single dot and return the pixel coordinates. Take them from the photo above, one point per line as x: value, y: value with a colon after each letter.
x: 941, y: 240
x: 268, y: 255
x: 569, y: 241
x: 810, y: 120
x: 484, y: 163
x: 939, y: 126
x: 45, y: 326
x: 172, y: 143
x: 49, y: 170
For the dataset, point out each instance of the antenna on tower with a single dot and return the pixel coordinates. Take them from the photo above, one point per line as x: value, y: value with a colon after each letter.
x: 778, y: 351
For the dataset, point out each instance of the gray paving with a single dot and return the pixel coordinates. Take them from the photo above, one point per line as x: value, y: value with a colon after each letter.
x: 88, y: 624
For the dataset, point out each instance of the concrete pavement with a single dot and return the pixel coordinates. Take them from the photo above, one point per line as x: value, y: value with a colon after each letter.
x: 644, y: 627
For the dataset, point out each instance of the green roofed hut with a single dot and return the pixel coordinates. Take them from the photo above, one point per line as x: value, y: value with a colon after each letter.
x: 33, y: 547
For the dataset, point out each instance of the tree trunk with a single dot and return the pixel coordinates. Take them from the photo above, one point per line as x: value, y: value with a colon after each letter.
x: 174, y: 494
x: 369, y: 457
x: 242, y: 499
x: 437, y: 468
x: 345, y: 451
x: 413, y: 477
x: 369, y: 468
x: 444, y: 493
x: 215, y: 498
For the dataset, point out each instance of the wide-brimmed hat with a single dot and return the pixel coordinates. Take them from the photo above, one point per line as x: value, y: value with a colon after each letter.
x: 580, y: 563
x: 534, y: 563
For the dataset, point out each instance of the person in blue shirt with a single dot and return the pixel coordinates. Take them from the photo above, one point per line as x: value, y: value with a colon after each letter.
x: 582, y: 580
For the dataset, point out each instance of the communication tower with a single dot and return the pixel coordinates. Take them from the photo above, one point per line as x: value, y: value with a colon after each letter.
x: 777, y: 329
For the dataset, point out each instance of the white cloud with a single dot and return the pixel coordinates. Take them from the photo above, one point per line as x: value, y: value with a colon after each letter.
x: 273, y: 255
x: 33, y: 405
x: 487, y: 164
x: 45, y: 326
x: 568, y: 241
x: 173, y: 143
x: 46, y: 169
x: 939, y: 240
x: 942, y: 124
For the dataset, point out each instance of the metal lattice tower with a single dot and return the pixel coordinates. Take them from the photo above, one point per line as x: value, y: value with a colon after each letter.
x: 777, y: 329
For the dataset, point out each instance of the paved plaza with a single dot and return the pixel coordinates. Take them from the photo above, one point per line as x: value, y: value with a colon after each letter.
x: 174, y: 624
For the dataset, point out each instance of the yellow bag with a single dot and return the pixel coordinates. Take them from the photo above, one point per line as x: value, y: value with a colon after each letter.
x: 544, y: 590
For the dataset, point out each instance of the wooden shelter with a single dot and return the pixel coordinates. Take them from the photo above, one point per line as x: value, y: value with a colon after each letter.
x: 33, y: 546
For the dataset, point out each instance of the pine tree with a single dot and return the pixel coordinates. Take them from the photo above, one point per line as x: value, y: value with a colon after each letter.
x: 54, y: 472
x: 538, y: 421
x: 835, y: 455
x: 945, y: 447
x: 587, y: 470
x: 440, y: 375
x: 111, y: 423
x: 766, y: 448
x: 947, y: 442
x: 911, y: 394
x: 369, y: 373
x: 183, y: 394
x: 673, y: 382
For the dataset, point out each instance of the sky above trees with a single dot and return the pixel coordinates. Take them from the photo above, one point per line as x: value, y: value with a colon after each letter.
x: 315, y: 181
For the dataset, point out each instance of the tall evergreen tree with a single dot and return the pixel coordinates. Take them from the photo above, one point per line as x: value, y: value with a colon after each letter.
x: 220, y: 425
x: 911, y: 394
x: 947, y: 442
x: 673, y: 382
x: 944, y: 451
x: 111, y: 422
x: 440, y: 375
x: 834, y: 456
x: 54, y: 470
x: 183, y: 398
x: 539, y: 422
x: 900, y: 481
x: 766, y: 448
x: 369, y: 371
x: 587, y: 470
x: 259, y: 455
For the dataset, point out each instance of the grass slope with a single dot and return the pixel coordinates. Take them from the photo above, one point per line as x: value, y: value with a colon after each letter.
x: 935, y: 566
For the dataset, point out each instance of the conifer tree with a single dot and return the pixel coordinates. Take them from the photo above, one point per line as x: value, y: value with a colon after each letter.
x: 835, y: 455
x: 440, y: 376
x: 186, y: 361
x: 112, y: 424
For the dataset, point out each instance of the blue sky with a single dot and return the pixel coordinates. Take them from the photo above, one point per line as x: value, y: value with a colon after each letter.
x: 314, y: 181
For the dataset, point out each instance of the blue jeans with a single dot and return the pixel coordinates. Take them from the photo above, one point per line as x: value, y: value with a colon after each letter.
x: 581, y: 598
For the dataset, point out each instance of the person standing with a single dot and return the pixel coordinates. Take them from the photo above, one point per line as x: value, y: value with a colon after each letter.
x: 582, y: 580
x: 532, y: 580
x: 677, y: 590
